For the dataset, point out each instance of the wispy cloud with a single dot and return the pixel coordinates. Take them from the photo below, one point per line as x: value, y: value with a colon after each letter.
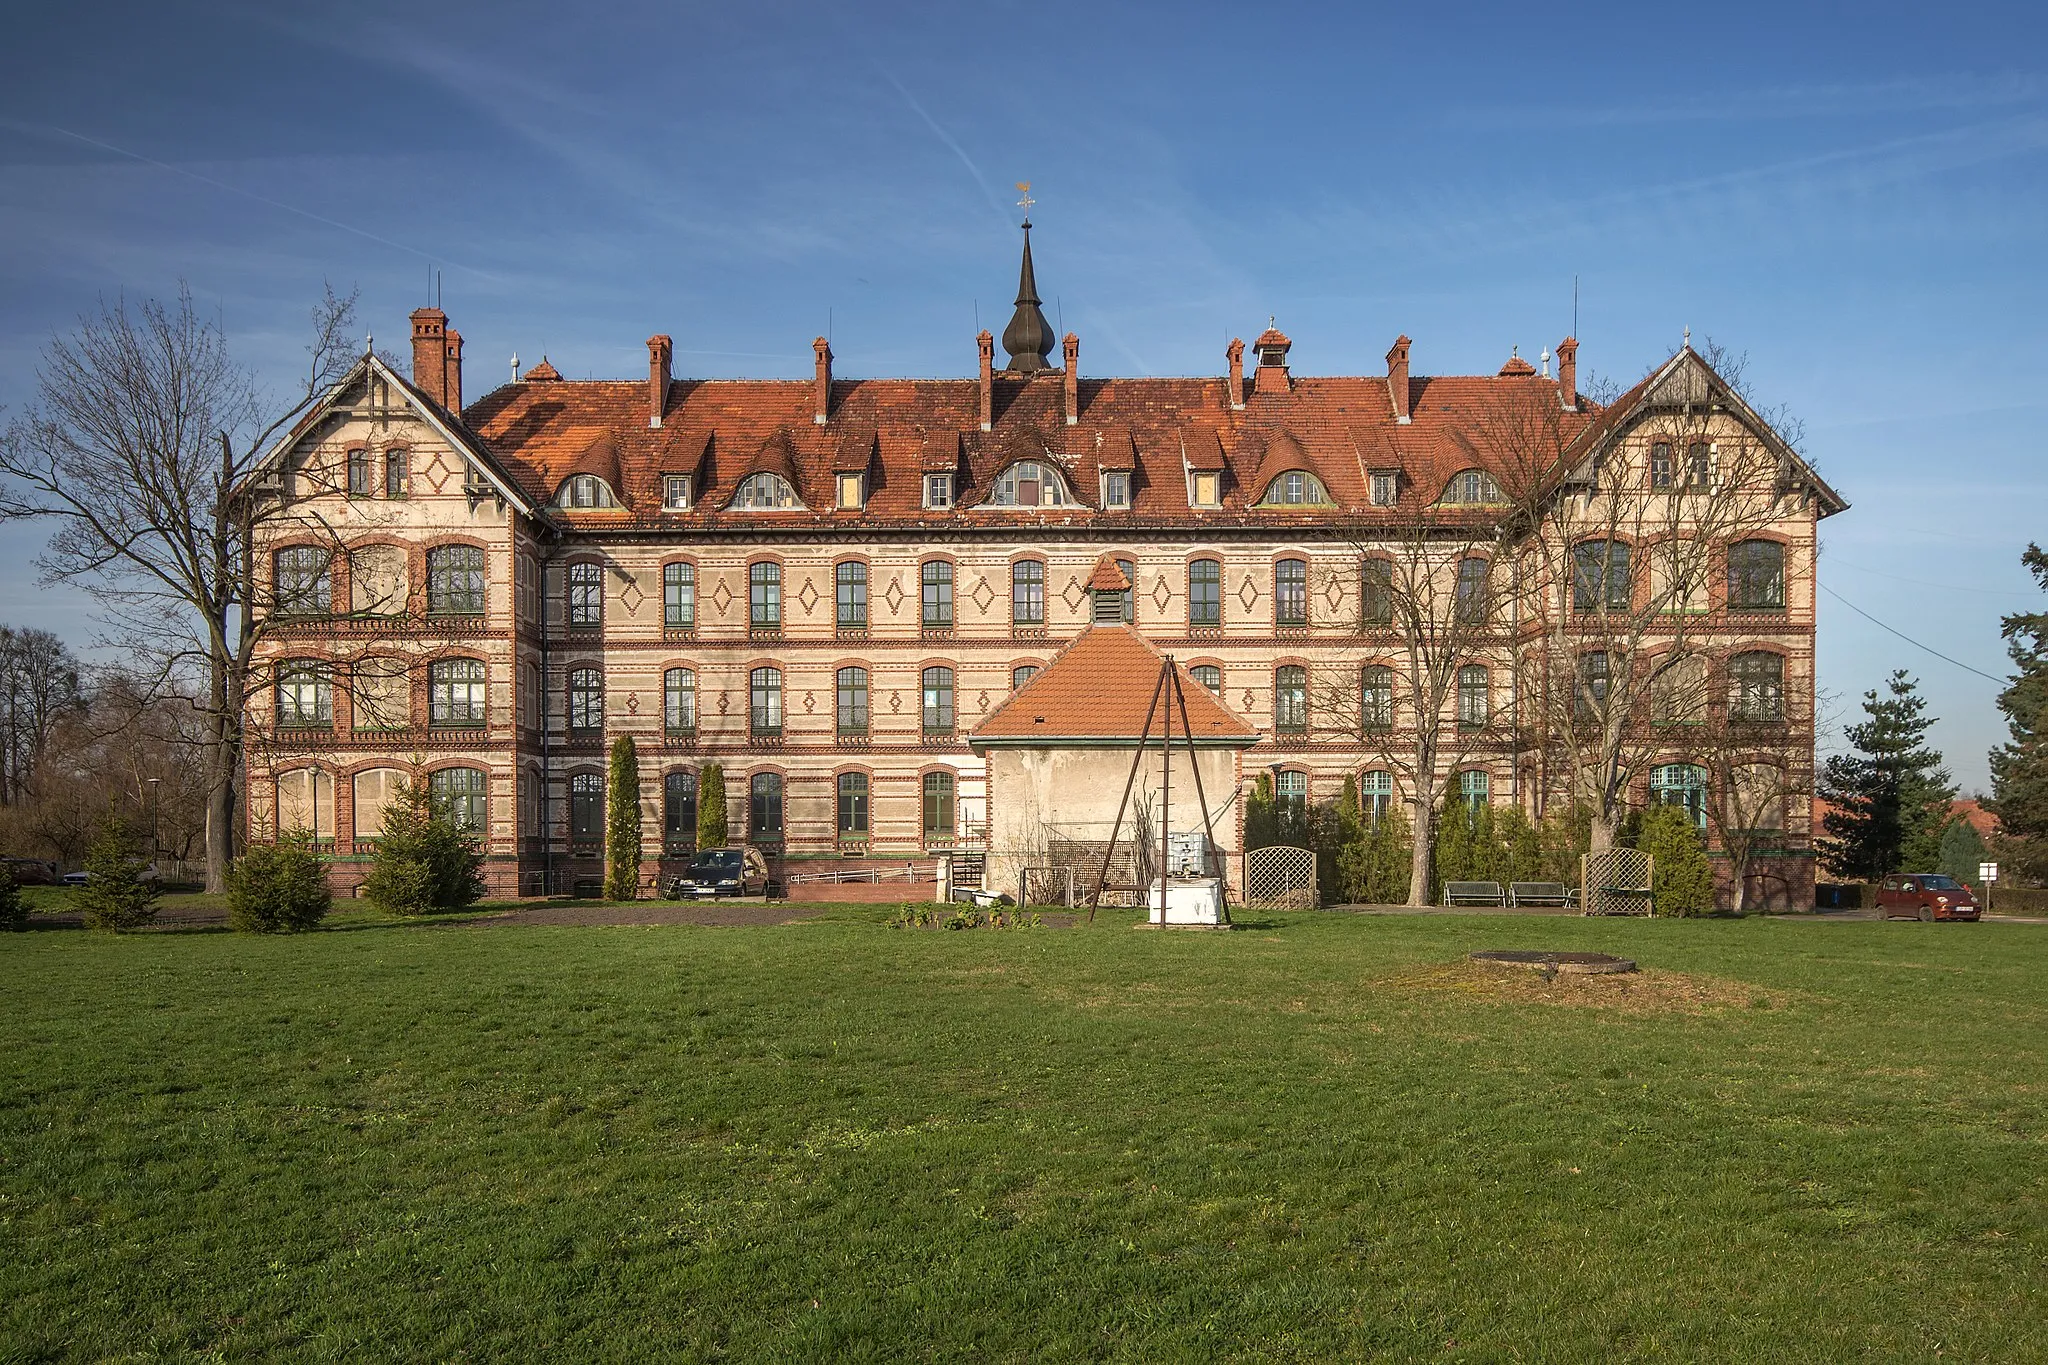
x: 1807, y: 101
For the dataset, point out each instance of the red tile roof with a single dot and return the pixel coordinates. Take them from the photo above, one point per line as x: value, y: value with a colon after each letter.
x: 1099, y: 688
x: 1108, y: 577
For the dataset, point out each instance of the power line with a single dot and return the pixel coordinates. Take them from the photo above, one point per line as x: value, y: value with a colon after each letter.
x: 1907, y: 638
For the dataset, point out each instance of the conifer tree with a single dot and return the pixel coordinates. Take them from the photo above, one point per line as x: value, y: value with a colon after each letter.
x: 1681, y: 878
x: 116, y: 895
x: 1261, y: 816
x: 1962, y: 852
x: 1390, y: 860
x: 424, y: 862
x: 1891, y: 794
x: 711, y: 830
x: 622, y: 823
x: 2019, y: 768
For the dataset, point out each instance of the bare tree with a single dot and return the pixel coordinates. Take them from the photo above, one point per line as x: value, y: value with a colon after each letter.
x: 39, y: 686
x: 142, y: 434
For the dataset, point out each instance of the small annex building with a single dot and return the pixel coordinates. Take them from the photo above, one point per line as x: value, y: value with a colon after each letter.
x: 1059, y: 753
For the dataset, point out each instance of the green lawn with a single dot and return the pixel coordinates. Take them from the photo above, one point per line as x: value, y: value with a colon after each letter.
x: 839, y: 1140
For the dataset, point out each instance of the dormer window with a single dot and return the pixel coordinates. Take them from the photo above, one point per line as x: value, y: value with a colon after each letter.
x: 675, y: 492
x: 1029, y: 484
x: 1473, y: 486
x: 1295, y: 488
x: 585, y: 490
x: 938, y: 491
x: 1205, y: 489
x: 1116, y: 488
x: 765, y: 492
x: 1386, y: 487
x: 853, y: 492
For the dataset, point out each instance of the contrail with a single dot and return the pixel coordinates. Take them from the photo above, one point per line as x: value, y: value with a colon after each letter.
x: 930, y: 123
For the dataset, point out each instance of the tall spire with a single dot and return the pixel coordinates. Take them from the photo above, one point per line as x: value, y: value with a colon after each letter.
x: 1028, y: 338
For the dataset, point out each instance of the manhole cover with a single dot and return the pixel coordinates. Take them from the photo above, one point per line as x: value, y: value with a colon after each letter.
x: 1588, y: 964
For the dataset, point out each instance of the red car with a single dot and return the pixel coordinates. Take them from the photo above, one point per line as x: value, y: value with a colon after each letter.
x: 1925, y: 895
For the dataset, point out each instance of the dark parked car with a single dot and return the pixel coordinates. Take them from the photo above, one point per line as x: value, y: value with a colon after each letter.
x: 722, y: 872
x: 1925, y: 895
x: 30, y: 871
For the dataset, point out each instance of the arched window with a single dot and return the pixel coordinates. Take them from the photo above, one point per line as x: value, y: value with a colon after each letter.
x: 1290, y: 699
x: 679, y: 811
x: 1290, y: 593
x: 1029, y: 484
x: 1756, y: 576
x: 1475, y: 706
x: 1596, y: 682
x: 1376, y: 592
x: 1475, y: 788
x: 1375, y: 794
x: 376, y: 580
x: 455, y: 694
x: 938, y: 701
x: 764, y: 808
x: 455, y: 581
x: 937, y: 579
x: 1683, y: 785
x: 359, y: 473
x: 764, y: 596
x: 940, y: 807
x: 1022, y: 674
x: 1209, y: 676
x: 1474, y: 596
x: 1473, y: 486
x: 765, y: 492
x: 1756, y: 686
x: 583, y: 491
x: 586, y: 594
x: 679, y: 701
x: 1376, y: 697
x: 459, y: 796
x: 1295, y: 488
x: 1027, y: 593
x: 301, y: 581
x: 850, y: 590
x: 1600, y: 576
x: 586, y: 699
x: 379, y: 694
x: 1290, y: 798
x: 375, y: 789
x: 305, y: 695
x: 1758, y: 799
x: 396, y: 470
x: 764, y: 711
x: 851, y: 805
x: 586, y: 809
x: 853, y: 701
x: 679, y: 596
x: 1678, y: 692
x: 1205, y: 593
x: 305, y: 805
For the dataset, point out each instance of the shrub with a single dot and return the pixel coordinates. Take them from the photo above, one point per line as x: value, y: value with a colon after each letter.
x: 711, y: 831
x: 13, y: 905
x: 1681, y: 879
x: 622, y: 823
x: 424, y: 862
x: 1261, y: 815
x: 1962, y: 852
x: 278, y: 888
x: 115, y: 895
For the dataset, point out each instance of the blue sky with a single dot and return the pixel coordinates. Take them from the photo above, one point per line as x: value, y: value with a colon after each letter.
x: 1858, y: 203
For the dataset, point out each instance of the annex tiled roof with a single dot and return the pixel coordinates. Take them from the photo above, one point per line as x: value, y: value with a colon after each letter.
x: 1107, y: 577
x: 1098, y: 688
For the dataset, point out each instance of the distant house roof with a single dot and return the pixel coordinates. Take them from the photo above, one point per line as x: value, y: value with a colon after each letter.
x: 1097, y: 690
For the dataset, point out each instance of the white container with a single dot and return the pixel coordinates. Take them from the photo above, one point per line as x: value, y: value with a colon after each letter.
x: 1194, y: 901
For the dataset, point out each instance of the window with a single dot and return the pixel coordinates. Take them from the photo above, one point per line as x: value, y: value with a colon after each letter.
x: 474, y: 482
x: 764, y: 596
x: 459, y: 797
x: 1678, y: 692
x: 305, y: 695
x: 852, y: 805
x: 1290, y: 795
x: 1290, y: 593
x: 1589, y: 702
x: 1029, y: 484
x: 938, y: 701
x: 1290, y: 699
x: 679, y: 701
x: 526, y: 586
x: 765, y: 492
x: 1756, y: 684
x: 305, y: 804
x: 1022, y: 674
x: 852, y: 492
x: 1385, y: 489
x: 1678, y: 578
x: 394, y: 473
x: 586, y: 808
x: 1756, y: 576
x: 764, y: 693
x: 1116, y: 488
x: 679, y: 596
x: 853, y: 701
x: 359, y: 473
x: 529, y: 695
x: 1662, y: 475
x: 586, y: 699
x: 1126, y: 599
x: 675, y: 497
x: 375, y: 789
x: 1027, y: 593
x: 585, y: 491
x: 679, y: 811
x: 1209, y: 676
x: 1376, y: 592
x: 1475, y: 788
x: 1475, y: 707
x: 937, y: 575
x: 377, y: 581
x: 586, y: 594
x: 850, y: 589
x: 764, y: 808
x: 1699, y: 465
x: 455, y: 694
x: 1376, y: 697
x: 1473, y: 486
x: 939, y: 806
x: 300, y: 581
x: 1375, y: 794
x: 938, y: 491
x: 1474, y: 596
x: 1295, y: 488
x: 1205, y: 593
x: 1206, y: 490
x: 1683, y: 785
x: 455, y: 581
x: 1600, y: 576
x: 379, y: 696
x: 1758, y: 798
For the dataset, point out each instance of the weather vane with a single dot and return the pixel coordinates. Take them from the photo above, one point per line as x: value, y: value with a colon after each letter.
x: 1024, y: 188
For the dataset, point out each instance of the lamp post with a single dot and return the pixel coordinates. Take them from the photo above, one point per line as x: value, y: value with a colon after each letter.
x: 156, y: 846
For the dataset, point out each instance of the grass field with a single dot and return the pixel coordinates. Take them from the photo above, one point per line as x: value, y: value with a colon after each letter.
x: 1313, y: 1139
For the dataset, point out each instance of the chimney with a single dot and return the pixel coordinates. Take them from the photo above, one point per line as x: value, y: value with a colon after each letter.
x: 1235, y: 350
x: 1071, y: 344
x: 1397, y: 378
x: 430, y: 353
x: 821, y: 386
x: 451, y: 374
x: 1568, y: 373
x: 986, y: 344
x: 660, y: 352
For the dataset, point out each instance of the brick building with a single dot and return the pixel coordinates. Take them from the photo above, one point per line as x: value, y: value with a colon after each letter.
x: 823, y: 587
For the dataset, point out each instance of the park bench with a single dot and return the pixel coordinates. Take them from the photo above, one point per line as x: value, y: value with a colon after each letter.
x: 1542, y: 893
x: 1474, y: 893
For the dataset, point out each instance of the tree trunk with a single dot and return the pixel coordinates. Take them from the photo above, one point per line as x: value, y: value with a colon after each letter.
x: 223, y: 759
x: 1420, y: 865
